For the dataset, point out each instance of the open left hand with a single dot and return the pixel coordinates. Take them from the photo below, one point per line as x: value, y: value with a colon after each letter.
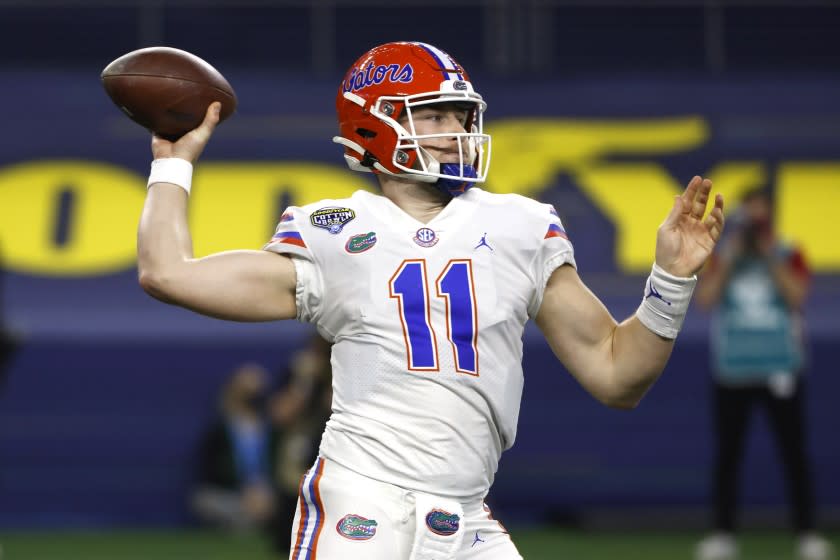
x: 685, y: 240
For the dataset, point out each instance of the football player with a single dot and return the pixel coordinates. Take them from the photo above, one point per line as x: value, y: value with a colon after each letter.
x: 424, y: 290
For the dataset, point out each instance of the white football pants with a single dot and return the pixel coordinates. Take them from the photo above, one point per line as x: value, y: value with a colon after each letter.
x: 342, y: 515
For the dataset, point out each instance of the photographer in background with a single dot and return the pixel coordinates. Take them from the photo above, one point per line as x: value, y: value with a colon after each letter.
x: 757, y: 285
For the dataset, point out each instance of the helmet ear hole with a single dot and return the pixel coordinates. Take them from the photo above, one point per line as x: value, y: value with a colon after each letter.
x: 366, y: 133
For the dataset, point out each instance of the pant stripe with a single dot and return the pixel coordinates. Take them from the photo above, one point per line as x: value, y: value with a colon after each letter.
x: 319, y: 507
x: 304, y: 518
x: 311, y: 514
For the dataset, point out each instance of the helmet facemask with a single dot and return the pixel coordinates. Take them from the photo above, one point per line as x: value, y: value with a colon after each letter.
x: 416, y: 162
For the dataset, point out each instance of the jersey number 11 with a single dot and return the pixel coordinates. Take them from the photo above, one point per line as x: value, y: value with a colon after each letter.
x: 409, y: 287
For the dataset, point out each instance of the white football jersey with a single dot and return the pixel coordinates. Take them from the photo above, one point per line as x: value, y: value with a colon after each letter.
x: 427, y: 323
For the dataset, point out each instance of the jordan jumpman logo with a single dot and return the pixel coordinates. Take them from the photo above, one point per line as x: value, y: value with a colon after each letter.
x: 477, y: 540
x: 654, y: 293
x: 483, y: 243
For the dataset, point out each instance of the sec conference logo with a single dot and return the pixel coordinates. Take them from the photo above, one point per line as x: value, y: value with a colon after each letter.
x: 331, y: 219
x: 426, y: 237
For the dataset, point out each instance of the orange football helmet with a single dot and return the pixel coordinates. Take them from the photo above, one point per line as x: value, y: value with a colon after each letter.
x: 382, y: 87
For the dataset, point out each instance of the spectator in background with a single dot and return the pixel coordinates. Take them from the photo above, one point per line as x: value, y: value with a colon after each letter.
x: 757, y: 285
x: 299, y: 409
x: 235, y: 489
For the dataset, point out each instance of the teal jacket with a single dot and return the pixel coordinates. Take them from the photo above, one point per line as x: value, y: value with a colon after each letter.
x: 755, y: 335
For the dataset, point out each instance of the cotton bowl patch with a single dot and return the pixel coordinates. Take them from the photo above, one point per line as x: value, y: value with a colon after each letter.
x: 331, y: 219
x: 356, y: 528
x: 442, y: 522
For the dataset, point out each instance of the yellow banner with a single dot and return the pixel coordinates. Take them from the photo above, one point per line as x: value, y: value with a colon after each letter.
x: 236, y: 204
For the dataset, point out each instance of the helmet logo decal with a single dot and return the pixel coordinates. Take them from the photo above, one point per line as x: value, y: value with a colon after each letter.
x: 376, y: 74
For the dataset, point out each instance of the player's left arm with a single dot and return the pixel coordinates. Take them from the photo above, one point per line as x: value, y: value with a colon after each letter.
x: 618, y: 362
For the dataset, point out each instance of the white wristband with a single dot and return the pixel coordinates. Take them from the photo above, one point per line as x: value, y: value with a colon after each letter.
x: 665, y: 302
x: 176, y: 171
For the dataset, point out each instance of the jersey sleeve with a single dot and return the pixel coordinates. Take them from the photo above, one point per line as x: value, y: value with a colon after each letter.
x: 309, y: 288
x: 555, y: 250
x: 287, y: 238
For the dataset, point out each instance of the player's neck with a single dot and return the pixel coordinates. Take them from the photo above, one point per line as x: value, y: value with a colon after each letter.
x: 421, y: 201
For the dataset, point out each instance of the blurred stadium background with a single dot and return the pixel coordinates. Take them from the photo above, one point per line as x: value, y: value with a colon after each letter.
x: 603, y: 107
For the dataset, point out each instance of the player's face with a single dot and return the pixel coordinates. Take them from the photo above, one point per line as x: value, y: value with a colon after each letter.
x: 441, y: 118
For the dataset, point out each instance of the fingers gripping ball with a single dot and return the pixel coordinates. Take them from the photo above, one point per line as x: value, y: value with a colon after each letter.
x: 166, y: 90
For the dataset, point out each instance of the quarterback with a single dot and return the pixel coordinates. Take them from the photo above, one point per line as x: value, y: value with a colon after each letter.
x: 425, y: 290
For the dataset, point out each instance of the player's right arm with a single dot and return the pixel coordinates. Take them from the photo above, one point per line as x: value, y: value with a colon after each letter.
x: 235, y: 285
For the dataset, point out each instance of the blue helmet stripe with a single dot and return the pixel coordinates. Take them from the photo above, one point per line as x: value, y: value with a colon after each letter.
x: 446, y: 74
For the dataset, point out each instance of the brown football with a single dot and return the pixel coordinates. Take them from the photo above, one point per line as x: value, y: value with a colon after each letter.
x: 166, y: 90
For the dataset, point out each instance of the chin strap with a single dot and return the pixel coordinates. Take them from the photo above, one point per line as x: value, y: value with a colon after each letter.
x: 456, y: 186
